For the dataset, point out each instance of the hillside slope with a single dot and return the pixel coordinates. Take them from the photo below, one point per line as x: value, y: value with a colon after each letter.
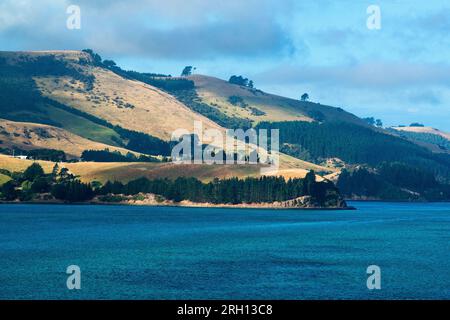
x: 430, y: 138
x: 430, y: 130
x: 48, y: 87
x: 96, y: 100
x: 128, y: 103
x: 217, y: 93
x: 29, y: 136
x: 126, y: 171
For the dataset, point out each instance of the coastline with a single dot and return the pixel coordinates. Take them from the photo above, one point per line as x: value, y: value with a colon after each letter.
x: 398, y: 201
x: 182, y: 204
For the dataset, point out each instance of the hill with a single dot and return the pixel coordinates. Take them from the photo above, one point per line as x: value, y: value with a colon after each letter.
x: 31, y: 136
x: 219, y: 94
x: 87, y: 100
x: 429, y: 130
x: 71, y: 78
x: 4, y: 179
x: 430, y: 138
x: 126, y: 171
x: 72, y: 91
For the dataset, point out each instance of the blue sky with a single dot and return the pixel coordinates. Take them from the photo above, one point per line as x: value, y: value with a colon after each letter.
x: 400, y: 73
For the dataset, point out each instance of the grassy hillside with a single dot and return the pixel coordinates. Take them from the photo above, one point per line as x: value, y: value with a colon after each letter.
x: 94, y: 103
x: 217, y: 93
x: 20, y: 99
x: 430, y: 138
x: 355, y: 145
x: 73, y: 79
x: 29, y: 136
x: 72, y: 92
x: 3, y: 179
x: 429, y: 130
x: 47, y: 114
x: 126, y: 171
x: 130, y: 104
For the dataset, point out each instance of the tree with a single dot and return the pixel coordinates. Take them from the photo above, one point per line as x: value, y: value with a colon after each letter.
x: 304, y: 97
x: 233, y: 190
x: 33, y: 172
x: 65, y: 175
x: 47, y: 154
x: 109, y: 63
x: 370, y: 120
x: 55, y: 171
x: 240, y: 81
x: 72, y: 191
x: 373, y: 122
x: 187, y: 71
x: 40, y: 185
x: 9, y: 191
x: 309, y: 182
x: 415, y: 124
x: 250, y: 84
x: 114, y: 156
x: 97, y: 59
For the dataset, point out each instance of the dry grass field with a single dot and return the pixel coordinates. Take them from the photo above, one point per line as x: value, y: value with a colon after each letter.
x: 126, y: 171
x: 424, y: 130
x: 28, y: 136
x: 4, y: 179
x: 216, y: 92
x: 141, y: 107
x: 130, y: 104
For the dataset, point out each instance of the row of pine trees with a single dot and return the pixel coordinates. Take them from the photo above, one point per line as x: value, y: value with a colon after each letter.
x: 233, y: 191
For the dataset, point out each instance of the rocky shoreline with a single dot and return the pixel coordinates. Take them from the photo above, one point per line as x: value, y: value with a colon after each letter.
x: 303, y: 203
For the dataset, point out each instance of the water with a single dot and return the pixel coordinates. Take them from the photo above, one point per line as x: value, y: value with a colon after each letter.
x: 185, y: 253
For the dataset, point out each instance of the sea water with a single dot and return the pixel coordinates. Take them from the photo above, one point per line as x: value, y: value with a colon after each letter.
x: 133, y: 252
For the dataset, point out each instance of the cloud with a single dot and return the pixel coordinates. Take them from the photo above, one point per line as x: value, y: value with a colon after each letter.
x: 337, y: 36
x: 170, y: 29
x: 437, y: 21
x: 428, y: 97
x: 222, y: 38
x: 368, y: 75
x: 413, y: 110
x: 289, y: 46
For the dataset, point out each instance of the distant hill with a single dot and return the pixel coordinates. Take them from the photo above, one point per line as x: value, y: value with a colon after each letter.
x: 31, y: 136
x: 72, y: 91
x: 100, y: 92
x: 84, y: 102
x: 218, y: 94
x: 429, y: 130
x: 431, y: 138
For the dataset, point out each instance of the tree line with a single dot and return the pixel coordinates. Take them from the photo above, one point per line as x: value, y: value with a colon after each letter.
x: 114, y: 156
x: 37, y: 154
x: 355, y: 145
x: 62, y: 185
x: 392, y: 181
x: 59, y: 184
x: 228, y: 191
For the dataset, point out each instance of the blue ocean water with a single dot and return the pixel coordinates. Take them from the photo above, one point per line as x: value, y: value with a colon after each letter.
x: 135, y: 252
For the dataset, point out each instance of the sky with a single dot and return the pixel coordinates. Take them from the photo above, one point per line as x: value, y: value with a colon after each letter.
x: 399, y: 72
